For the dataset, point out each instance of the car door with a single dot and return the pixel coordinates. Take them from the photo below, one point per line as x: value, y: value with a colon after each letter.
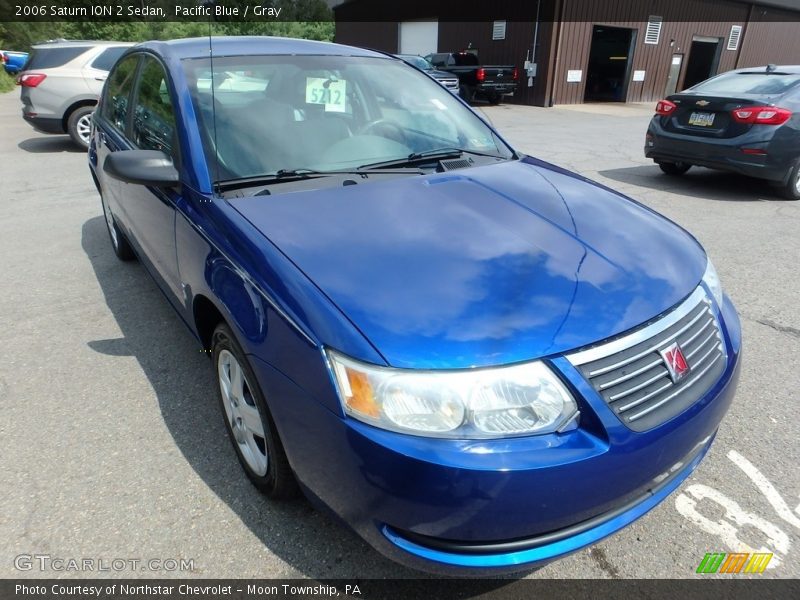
x: 96, y: 70
x: 150, y: 211
x: 111, y: 126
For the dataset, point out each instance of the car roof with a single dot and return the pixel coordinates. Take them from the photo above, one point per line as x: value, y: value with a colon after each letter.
x: 68, y: 43
x: 250, y: 45
x: 790, y: 69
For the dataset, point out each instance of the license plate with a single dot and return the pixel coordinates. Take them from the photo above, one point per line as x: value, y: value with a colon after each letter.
x: 701, y: 119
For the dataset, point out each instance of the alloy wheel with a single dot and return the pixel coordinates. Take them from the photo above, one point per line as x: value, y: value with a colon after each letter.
x: 242, y: 413
x: 84, y: 128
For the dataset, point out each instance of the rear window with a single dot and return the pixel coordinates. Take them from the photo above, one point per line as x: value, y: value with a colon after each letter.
x: 48, y: 58
x: 749, y: 83
x: 107, y: 58
x: 465, y: 59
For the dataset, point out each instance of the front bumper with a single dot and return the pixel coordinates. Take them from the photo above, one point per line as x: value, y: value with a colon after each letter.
x: 518, y: 554
x: 722, y: 153
x: 477, y: 507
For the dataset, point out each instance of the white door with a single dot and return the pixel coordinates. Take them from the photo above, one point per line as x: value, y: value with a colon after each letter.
x: 419, y: 37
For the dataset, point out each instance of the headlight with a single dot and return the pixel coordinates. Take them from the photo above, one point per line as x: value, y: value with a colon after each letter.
x: 711, y: 279
x: 518, y: 400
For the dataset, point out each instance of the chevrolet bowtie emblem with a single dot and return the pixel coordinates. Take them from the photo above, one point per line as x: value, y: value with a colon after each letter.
x: 702, y: 103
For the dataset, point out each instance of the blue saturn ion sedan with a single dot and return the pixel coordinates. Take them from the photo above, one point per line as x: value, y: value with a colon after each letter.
x: 478, y: 360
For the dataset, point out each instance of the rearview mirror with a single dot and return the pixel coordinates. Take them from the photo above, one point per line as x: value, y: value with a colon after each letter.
x: 144, y: 167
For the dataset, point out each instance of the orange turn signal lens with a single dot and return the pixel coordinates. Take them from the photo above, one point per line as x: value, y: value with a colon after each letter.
x: 357, y: 392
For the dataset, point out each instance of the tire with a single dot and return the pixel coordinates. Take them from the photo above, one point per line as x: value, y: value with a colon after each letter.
x: 678, y: 168
x: 466, y: 93
x: 248, y: 420
x: 79, y: 125
x: 119, y: 242
x: 494, y: 98
x: 791, y: 191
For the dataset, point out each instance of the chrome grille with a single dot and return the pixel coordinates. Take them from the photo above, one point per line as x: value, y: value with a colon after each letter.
x: 450, y: 84
x: 631, y: 373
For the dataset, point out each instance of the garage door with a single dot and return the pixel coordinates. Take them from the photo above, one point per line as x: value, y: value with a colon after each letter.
x: 419, y: 37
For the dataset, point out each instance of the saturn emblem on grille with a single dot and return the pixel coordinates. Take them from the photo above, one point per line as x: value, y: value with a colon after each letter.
x: 702, y: 103
x: 675, y: 361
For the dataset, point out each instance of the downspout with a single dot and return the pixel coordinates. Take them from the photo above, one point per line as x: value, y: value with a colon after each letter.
x: 536, y: 34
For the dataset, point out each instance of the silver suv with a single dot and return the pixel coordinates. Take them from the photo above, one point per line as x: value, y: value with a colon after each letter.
x: 61, y: 83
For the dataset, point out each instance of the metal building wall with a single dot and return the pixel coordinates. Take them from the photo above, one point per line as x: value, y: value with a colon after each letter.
x: 771, y: 36
x: 353, y: 27
x: 711, y: 18
x: 382, y: 35
x: 565, y: 36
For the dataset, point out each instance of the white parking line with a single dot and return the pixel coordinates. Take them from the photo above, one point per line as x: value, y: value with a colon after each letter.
x: 728, y: 530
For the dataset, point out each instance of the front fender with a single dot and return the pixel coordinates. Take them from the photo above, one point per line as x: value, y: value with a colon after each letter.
x: 218, y: 261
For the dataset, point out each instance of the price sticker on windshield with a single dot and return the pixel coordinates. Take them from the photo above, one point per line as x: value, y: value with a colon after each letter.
x: 331, y: 93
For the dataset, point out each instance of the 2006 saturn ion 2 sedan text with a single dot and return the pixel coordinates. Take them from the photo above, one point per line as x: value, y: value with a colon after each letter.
x: 478, y: 360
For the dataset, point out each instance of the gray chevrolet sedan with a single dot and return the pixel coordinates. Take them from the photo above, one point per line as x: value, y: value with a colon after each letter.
x: 746, y: 121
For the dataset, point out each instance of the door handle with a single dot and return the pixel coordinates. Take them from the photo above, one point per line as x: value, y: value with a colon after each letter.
x: 101, y: 78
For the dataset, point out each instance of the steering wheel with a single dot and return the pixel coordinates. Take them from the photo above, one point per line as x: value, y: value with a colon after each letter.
x: 384, y: 128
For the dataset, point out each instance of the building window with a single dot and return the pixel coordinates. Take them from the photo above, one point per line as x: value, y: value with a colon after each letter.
x: 499, y: 30
x: 734, y: 37
x: 653, y: 32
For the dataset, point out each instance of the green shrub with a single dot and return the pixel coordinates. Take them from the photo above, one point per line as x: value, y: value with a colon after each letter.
x: 6, y: 82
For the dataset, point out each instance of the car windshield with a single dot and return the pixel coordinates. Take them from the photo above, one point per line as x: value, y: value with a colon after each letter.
x: 731, y: 84
x: 417, y: 61
x: 276, y: 114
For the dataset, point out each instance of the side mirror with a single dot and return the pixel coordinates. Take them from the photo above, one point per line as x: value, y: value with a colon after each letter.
x: 144, y: 167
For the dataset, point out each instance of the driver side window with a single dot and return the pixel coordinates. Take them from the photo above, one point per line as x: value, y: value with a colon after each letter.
x: 154, y: 125
x: 118, y: 95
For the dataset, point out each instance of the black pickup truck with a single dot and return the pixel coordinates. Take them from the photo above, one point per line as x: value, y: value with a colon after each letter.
x: 487, y: 81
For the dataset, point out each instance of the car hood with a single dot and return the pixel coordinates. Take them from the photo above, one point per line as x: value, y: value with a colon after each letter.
x: 486, y: 266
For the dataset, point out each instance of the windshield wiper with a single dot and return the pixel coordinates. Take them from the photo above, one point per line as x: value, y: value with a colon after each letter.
x: 300, y: 173
x: 434, y: 154
x: 286, y: 175
x: 450, y: 150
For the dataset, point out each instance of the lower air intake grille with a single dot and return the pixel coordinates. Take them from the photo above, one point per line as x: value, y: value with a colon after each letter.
x: 651, y: 375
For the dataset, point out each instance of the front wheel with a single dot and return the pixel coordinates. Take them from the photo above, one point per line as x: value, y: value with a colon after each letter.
x: 248, y: 421
x: 79, y: 126
x: 676, y: 168
x: 791, y: 191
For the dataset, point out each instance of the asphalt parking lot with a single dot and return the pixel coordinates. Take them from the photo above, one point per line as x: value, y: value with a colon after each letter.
x: 113, y: 446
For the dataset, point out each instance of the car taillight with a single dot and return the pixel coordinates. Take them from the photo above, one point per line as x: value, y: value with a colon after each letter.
x: 665, y: 108
x: 480, y: 74
x: 515, y: 74
x: 761, y: 115
x: 31, y: 79
x: 754, y: 151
